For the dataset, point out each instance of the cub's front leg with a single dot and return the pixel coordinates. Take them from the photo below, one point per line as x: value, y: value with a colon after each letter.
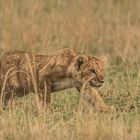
x: 91, y: 95
x: 44, y: 92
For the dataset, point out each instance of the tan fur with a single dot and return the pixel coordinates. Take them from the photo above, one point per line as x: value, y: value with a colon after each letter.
x: 22, y: 72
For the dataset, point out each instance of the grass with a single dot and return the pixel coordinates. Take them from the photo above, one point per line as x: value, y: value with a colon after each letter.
x: 91, y: 27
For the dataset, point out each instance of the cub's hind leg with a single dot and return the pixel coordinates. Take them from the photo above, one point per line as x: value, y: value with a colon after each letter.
x: 7, y: 98
x: 8, y: 86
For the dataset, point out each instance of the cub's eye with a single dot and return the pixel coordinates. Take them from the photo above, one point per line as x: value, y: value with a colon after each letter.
x: 93, y: 70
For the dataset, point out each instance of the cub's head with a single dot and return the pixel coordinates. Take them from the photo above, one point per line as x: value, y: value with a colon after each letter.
x: 90, y: 69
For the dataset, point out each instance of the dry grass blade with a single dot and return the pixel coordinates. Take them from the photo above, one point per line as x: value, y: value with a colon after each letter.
x: 4, y: 85
x: 34, y: 79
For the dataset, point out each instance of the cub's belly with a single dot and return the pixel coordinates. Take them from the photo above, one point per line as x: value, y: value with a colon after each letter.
x: 64, y: 84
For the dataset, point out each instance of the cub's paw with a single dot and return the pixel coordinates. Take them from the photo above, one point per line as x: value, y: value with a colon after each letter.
x: 105, y: 109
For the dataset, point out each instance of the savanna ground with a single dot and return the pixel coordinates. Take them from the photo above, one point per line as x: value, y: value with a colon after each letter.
x: 93, y: 27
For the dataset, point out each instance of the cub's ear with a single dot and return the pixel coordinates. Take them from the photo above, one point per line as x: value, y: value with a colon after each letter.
x: 81, y: 59
x: 103, y: 59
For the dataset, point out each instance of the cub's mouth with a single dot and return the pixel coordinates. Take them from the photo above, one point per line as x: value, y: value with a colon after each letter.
x: 95, y: 84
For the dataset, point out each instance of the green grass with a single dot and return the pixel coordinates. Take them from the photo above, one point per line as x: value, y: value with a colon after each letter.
x: 92, y: 27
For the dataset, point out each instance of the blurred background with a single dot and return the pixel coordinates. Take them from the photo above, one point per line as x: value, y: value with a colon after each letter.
x: 91, y: 27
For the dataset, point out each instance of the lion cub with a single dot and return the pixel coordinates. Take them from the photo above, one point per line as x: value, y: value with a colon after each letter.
x: 21, y: 73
